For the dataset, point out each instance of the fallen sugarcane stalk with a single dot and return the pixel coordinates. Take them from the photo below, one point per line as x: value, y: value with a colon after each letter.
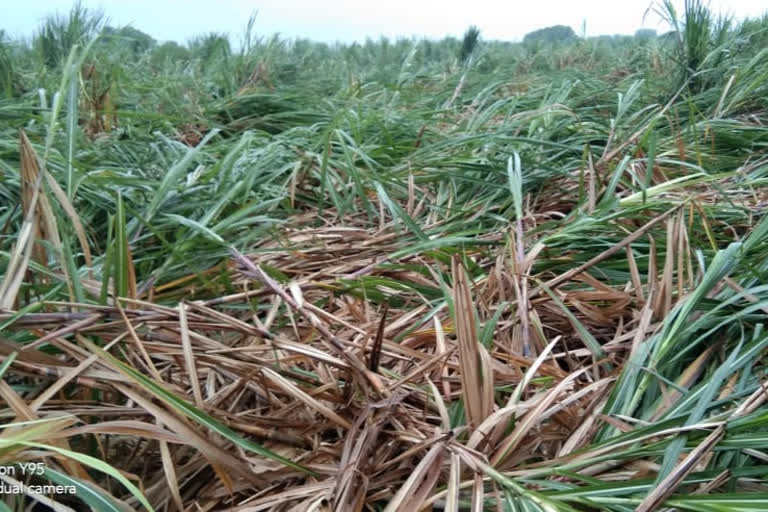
x: 332, y: 342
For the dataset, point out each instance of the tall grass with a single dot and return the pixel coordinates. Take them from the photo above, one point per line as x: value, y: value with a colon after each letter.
x: 59, y: 34
x: 702, y: 41
x: 8, y: 77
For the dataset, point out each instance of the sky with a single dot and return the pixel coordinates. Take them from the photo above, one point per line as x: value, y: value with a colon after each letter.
x: 354, y: 20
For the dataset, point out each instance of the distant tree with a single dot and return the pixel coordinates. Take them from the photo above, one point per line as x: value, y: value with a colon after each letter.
x: 128, y: 37
x: 670, y: 37
x: 645, y: 34
x: 471, y: 37
x: 554, y: 34
x: 169, y: 51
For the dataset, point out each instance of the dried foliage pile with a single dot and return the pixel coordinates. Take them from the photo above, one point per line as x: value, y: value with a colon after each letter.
x: 342, y: 375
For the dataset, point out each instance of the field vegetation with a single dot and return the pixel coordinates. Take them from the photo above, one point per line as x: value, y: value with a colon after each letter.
x: 271, y: 274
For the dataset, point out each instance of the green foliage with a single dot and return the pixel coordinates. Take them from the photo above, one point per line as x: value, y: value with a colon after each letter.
x: 551, y: 35
x: 753, y: 32
x: 8, y: 78
x: 701, y: 42
x: 468, y: 44
x: 59, y: 34
x: 169, y: 53
x: 135, y: 40
x: 210, y: 47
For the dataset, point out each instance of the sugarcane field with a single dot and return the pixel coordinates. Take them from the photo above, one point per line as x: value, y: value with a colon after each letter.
x: 258, y: 270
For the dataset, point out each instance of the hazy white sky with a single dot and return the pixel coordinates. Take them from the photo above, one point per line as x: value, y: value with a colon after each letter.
x: 349, y: 20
